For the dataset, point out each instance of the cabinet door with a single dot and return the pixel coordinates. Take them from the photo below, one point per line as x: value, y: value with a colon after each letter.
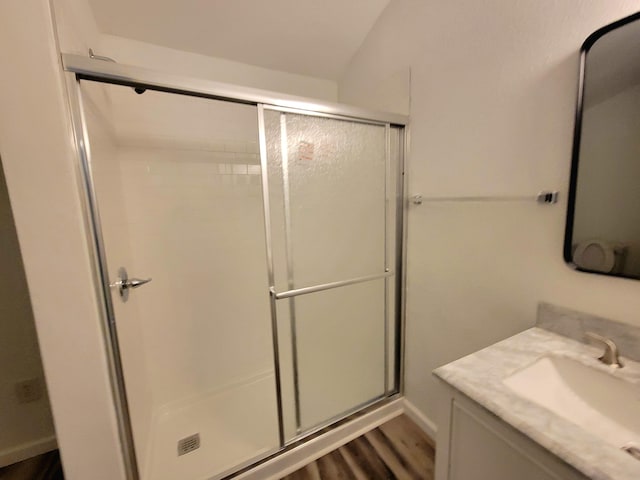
x: 480, y: 452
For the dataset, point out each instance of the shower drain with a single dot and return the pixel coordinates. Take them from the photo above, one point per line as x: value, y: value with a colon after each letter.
x: 188, y: 444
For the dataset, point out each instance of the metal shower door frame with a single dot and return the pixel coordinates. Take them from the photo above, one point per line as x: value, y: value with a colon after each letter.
x: 79, y: 68
x: 292, y: 292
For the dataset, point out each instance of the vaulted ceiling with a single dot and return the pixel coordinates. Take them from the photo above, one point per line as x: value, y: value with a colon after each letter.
x: 307, y: 37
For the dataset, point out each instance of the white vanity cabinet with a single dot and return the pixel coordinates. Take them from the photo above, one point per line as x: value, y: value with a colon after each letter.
x: 473, y: 444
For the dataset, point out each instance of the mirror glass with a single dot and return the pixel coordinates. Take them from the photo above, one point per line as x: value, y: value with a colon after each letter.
x: 603, y: 221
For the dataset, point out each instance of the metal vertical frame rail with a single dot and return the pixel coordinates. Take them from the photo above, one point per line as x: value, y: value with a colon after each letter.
x: 401, y: 258
x: 99, y: 264
x: 286, y: 187
x: 266, y: 205
x: 387, y: 179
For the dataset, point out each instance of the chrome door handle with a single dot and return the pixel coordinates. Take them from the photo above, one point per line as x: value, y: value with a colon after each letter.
x: 135, y: 282
x: 124, y: 283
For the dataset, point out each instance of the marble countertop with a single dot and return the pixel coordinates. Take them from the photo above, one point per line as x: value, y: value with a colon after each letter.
x: 479, y: 376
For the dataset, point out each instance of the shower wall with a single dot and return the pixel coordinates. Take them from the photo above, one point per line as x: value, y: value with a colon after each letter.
x: 190, y: 179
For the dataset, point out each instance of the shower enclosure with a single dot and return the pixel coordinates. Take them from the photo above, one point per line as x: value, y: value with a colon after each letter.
x: 248, y: 254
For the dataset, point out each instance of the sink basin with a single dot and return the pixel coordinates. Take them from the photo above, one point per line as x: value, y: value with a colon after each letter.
x: 593, y: 399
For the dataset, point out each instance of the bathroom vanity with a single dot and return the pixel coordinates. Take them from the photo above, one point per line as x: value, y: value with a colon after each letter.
x: 541, y: 405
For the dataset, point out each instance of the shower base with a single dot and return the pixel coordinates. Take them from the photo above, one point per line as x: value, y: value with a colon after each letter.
x: 235, y: 426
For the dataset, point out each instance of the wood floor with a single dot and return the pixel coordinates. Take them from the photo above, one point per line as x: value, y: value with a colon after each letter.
x: 42, y: 467
x: 397, y: 449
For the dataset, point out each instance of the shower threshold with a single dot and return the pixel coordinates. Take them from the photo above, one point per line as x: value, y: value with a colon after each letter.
x: 319, y: 440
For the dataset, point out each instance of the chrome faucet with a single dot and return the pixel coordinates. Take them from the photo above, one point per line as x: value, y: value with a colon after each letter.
x: 610, y: 355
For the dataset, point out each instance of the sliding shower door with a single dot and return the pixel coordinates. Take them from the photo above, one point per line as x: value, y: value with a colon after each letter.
x: 178, y: 187
x: 249, y: 261
x: 332, y: 185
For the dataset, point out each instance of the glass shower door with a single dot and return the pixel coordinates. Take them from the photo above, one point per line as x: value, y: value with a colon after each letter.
x: 332, y: 198
x: 178, y: 187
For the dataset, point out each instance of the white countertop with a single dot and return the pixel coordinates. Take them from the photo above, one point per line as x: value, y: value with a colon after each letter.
x: 480, y: 377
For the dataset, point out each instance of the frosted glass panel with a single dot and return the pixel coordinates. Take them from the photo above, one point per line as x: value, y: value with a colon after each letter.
x: 332, y: 186
x: 178, y: 181
x: 333, y: 201
x: 340, y: 346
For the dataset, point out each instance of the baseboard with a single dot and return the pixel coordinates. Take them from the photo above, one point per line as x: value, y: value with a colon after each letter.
x: 420, y: 419
x: 294, y: 459
x: 27, y: 450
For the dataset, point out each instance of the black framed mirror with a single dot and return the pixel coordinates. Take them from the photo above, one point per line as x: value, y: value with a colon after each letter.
x: 603, y: 216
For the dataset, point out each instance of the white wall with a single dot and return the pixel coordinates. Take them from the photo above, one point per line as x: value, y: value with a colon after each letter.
x: 37, y: 150
x: 36, y: 145
x: 141, y: 54
x: 39, y: 163
x: 27, y: 428
x: 77, y: 32
x: 492, y: 97
x: 493, y: 88
x: 35, y: 102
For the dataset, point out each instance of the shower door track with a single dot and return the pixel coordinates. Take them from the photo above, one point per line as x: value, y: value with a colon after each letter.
x: 93, y: 69
x: 84, y: 68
